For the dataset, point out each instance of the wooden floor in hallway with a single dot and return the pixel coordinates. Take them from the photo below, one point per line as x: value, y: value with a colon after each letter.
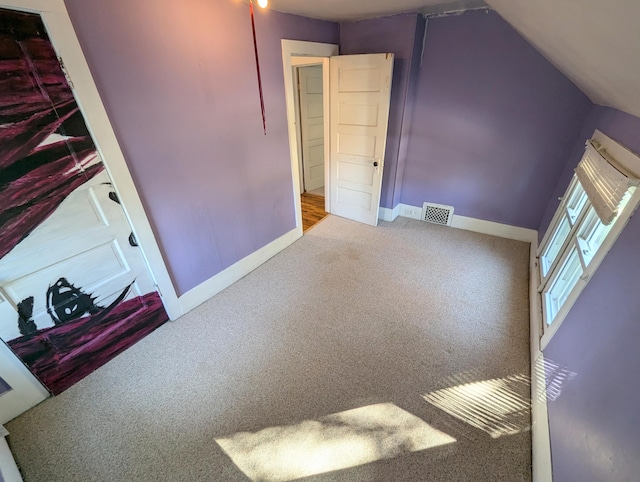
x: 312, y: 210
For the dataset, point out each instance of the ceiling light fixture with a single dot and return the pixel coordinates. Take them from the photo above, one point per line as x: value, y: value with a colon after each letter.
x: 263, y: 3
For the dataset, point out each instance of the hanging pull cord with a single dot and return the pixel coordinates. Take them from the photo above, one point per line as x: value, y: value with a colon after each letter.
x: 255, y: 48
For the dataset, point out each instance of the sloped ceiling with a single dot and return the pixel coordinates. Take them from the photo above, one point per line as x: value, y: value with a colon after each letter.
x: 596, y: 43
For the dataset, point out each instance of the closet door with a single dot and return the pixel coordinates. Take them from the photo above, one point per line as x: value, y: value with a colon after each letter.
x: 75, y: 287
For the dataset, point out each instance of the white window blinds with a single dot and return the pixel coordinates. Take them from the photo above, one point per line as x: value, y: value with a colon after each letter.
x: 604, y: 184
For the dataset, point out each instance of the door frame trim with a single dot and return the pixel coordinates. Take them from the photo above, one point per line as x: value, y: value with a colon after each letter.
x: 58, y: 24
x: 26, y: 390
x: 297, y: 48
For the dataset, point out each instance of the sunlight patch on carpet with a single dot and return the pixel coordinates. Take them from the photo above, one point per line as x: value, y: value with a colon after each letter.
x: 499, y: 407
x: 337, y: 441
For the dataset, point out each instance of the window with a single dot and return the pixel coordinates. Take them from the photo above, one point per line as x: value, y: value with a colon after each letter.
x: 596, y: 206
x: 565, y: 224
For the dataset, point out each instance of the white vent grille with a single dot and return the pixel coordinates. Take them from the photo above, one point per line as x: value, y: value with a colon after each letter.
x: 437, y: 214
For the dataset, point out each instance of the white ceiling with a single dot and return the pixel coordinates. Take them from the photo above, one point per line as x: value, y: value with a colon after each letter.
x: 596, y: 43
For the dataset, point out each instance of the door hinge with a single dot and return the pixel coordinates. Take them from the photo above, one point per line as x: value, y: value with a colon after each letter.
x: 64, y: 71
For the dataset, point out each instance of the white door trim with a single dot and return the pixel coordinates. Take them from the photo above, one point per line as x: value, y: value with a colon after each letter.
x: 65, y: 42
x: 297, y: 48
x: 26, y: 391
x: 8, y: 468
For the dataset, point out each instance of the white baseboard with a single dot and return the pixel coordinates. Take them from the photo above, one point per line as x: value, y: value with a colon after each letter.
x: 540, y: 437
x: 233, y: 273
x: 8, y: 469
x: 408, y: 211
x: 535, y: 310
x: 478, y: 225
x: 495, y: 229
x: 390, y: 215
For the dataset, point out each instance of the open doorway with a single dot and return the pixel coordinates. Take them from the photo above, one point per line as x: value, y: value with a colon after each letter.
x: 310, y: 133
x: 307, y: 60
x: 356, y: 112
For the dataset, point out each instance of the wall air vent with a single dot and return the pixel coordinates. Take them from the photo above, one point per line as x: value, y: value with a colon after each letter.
x: 437, y: 214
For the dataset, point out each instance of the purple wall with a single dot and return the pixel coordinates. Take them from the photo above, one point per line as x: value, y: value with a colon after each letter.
x: 563, y: 182
x: 493, y: 125
x: 412, y: 92
x: 178, y: 80
x: 398, y: 35
x: 595, y: 422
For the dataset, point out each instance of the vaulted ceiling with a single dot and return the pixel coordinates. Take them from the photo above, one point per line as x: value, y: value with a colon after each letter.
x: 595, y: 43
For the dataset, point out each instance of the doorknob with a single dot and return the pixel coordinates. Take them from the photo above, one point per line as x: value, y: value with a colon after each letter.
x: 375, y: 164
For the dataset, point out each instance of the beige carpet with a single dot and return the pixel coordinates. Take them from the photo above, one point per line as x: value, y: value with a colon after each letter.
x: 396, y: 353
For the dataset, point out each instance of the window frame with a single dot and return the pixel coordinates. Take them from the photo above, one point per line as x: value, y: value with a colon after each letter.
x: 632, y: 163
x: 563, y: 213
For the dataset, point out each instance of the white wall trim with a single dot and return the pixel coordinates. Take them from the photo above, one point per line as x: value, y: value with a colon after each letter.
x: 236, y: 271
x: 8, y: 469
x: 27, y: 391
x: 540, y: 438
x: 63, y: 37
x: 495, y: 229
x: 408, y: 211
x: 478, y: 225
x: 386, y: 214
x: 535, y: 308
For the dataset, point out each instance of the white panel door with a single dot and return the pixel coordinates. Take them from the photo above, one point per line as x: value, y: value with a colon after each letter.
x: 84, y: 245
x: 312, y: 125
x: 360, y: 88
